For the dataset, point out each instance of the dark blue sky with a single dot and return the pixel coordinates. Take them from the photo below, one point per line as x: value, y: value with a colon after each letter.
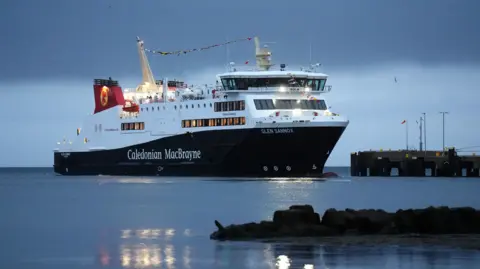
x: 87, y: 38
x: 51, y: 50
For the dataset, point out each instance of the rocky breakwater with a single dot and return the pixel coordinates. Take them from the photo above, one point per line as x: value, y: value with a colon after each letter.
x: 303, y: 221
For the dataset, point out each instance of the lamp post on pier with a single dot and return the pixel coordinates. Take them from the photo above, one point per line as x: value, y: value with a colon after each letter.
x: 443, y: 129
x: 425, y: 132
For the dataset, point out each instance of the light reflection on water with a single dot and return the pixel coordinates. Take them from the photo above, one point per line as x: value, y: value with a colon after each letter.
x: 151, y: 233
x: 289, y: 256
x: 166, y: 248
x: 147, y: 248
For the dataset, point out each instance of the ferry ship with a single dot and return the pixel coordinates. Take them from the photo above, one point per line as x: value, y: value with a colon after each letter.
x: 262, y: 122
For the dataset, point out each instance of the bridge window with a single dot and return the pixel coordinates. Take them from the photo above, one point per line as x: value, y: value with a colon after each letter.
x: 213, y: 122
x: 229, y: 106
x: 281, y: 104
x: 229, y: 84
x: 133, y: 126
x: 245, y: 83
x: 242, y: 83
x: 264, y: 104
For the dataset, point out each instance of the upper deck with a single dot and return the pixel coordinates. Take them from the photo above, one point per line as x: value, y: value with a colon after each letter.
x: 275, y: 80
x: 264, y: 79
x: 273, y: 73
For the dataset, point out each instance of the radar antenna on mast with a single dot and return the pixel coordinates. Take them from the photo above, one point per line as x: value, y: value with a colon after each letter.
x: 263, y: 56
x: 148, y: 81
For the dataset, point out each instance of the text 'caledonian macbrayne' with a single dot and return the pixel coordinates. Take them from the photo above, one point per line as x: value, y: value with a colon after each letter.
x: 167, y: 154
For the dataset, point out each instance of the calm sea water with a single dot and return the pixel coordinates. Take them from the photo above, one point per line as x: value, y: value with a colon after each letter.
x: 50, y: 221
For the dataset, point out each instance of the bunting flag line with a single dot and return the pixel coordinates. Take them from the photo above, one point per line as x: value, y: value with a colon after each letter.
x: 179, y: 52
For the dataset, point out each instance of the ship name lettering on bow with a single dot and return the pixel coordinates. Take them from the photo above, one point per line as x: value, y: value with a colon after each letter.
x: 277, y: 131
x: 167, y: 154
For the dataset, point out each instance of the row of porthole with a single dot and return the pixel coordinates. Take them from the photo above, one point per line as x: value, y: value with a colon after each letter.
x: 275, y: 168
x: 175, y: 107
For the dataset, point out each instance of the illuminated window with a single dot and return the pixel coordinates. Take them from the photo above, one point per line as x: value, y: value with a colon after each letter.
x: 213, y: 122
x: 279, y: 104
x: 132, y: 126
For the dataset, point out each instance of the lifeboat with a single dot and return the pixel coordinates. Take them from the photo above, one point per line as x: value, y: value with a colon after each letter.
x: 131, y: 106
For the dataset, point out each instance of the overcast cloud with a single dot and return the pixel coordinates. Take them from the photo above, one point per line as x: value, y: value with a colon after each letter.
x: 51, y: 50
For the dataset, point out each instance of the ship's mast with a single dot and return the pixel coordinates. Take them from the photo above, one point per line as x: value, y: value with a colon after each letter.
x: 148, y: 81
x: 262, y: 55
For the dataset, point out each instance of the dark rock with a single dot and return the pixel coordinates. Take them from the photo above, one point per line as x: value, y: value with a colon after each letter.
x: 307, y: 208
x: 365, y: 221
x: 438, y: 220
x: 219, y: 225
x: 296, y: 215
x: 372, y: 221
x: 303, y: 221
x: 339, y: 220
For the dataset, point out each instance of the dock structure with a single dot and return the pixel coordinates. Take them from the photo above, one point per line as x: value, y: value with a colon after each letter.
x: 413, y: 163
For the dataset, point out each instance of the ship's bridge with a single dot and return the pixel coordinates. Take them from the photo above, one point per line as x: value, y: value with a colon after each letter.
x: 274, y: 80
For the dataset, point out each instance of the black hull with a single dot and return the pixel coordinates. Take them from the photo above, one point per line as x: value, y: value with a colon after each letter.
x: 270, y: 152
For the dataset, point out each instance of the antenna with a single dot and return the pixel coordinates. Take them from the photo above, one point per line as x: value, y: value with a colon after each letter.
x: 227, y: 51
x: 310, y: 59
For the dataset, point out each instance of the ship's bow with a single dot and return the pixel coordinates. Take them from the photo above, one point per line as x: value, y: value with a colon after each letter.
x: 285, y: 151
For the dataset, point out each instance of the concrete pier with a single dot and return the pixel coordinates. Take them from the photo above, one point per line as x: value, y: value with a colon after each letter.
x: 411, y: 163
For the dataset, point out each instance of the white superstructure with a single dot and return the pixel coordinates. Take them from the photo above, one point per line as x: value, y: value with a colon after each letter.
x: 260, y: 98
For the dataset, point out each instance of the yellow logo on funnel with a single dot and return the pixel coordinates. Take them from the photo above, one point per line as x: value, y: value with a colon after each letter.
x: 104, y: 95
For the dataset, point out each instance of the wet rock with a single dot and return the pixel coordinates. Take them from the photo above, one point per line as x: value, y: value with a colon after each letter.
x: 438, y: 220
x: 296, y: 215
x: 297, y: 221
x: 365, y: 221
x: 303, y: 221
